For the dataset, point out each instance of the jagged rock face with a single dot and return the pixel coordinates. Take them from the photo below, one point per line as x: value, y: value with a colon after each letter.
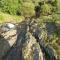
x: 6, y: 27
x: 42, y: 33
x: 7, y: 40
x: 31, y: 42
x: 31, y: 49
x: 26, y: 47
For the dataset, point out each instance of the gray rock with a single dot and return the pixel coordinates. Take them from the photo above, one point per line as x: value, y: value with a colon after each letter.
x: 26, y: 46
x: 36, y: 31
x: 7, y: 26
x: 7, y: 40
x: 31, y: 49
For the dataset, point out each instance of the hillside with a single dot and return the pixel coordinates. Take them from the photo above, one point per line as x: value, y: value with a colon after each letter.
x: 29, y: 30
x: 4, y: 17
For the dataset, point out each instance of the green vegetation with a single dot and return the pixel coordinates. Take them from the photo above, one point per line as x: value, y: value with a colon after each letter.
x: 27, y: 9
x: 16, y: 7
x: 46, y: 9
x: 58, y: 6
x: 10, y: 18
x: 49, y: 11
x: 9, y: 6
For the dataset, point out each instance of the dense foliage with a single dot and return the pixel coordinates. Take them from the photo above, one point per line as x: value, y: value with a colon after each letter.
x: 9, y: 6
x: 17, y: 6
x: 27, y: 7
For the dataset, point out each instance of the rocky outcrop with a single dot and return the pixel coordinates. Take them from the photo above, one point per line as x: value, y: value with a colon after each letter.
x: 31, y: 49
x: 7, y: 40
x: 41, y: 33
x: 26, y: 47
x: 31, y: 41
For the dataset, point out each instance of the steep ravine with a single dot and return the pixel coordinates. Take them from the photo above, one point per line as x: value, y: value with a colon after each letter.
x: 30, y: 44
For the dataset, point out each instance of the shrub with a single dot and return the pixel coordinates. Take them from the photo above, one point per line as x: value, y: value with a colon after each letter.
x: 46, y: 9
x: 27, y: 9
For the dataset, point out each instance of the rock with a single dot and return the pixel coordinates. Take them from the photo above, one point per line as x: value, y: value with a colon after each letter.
x: 26, y: 47
x: 7, y: 40
x: 51, y: 52
x: 31, y: 49
x: 41, y: 34
x: 4, y: 47
x: 10, y: 26
x: 7, y: 26
x: 51, y: 28
x: 30, y: 41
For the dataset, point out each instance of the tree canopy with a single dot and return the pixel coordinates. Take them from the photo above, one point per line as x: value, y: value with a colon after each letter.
x: 27, y: 7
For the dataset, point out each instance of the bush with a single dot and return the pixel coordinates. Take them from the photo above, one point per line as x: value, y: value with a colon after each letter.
x: 9, y: 6
x: 46, y: 9
x: 27, y: 9
x: 18, y: 6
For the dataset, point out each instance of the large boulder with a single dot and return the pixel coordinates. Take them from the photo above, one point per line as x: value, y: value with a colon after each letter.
x: 8, y: 37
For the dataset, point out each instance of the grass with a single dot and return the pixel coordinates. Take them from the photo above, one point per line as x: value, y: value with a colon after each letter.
x: 4, y: 17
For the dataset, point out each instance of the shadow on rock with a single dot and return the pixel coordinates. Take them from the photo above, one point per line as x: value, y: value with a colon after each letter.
x: 16, y: 51
x: 4, y: 47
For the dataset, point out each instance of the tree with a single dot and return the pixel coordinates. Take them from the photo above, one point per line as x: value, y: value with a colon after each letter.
x: 27, y: 9
x: 9, y: 6
x: 46, y: 9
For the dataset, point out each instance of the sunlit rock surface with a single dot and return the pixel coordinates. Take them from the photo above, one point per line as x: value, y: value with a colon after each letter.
x: 7, y: 39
